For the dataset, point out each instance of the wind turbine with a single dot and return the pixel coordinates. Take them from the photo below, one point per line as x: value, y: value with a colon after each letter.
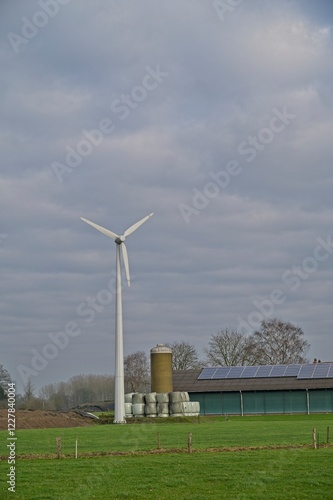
x: 119, y: 403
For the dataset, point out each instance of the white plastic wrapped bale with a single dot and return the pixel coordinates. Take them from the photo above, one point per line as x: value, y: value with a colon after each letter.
x: 195, y: 408
x: 138, y: 398
x: 150, y: 397
x: 129, y: 397
x: 138, y: 409
x: 191, y: 408
x: 176, y: 409
x: 128, y: 410
x: 162, y: 409
x: 151, y: 409
x: 175, y: 397
x: 187, y: 407
x: 185, y: 397
x: 162, y: 397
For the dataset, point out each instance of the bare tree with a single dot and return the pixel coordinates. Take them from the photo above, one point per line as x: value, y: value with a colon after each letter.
x: 2, y: 394
x: 29, y: 395
x: 4, y: 378
x: 47, y: 391
x: 279, y: 342
x: 136, y: 372
x: 184, y: 356
x: 229, y: 348
x: 29, y: 390
x: 61, y: 400
x: 103, y: 385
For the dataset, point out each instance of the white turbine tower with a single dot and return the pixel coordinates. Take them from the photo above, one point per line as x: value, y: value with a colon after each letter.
x: 119, y: 402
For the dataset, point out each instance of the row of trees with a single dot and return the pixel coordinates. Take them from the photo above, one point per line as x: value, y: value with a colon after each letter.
x: 63, y: 395
x: 77, y: 390
x: 275, y: 342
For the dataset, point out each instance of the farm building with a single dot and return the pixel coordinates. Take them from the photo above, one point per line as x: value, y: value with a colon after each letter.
x: 253, y: 390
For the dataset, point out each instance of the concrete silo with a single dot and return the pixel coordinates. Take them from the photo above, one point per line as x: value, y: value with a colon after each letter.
x: 161, y: 368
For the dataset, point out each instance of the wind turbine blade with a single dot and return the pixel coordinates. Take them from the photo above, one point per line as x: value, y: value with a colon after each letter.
x: 126, y: 264
x: 135, y: 226
x: 107, y: 232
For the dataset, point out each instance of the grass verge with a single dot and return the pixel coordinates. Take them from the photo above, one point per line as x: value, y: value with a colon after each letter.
x: 280, y: 474
x: 272, y: 459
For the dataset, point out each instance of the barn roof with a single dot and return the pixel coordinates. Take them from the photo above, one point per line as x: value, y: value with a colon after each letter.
x: 197, y: 381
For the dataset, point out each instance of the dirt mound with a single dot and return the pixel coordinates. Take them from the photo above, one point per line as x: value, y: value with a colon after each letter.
x: 42, y: 419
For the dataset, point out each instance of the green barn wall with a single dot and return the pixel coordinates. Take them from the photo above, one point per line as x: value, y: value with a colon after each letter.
x: 264, y: 402
x: 231, y: 403
x: 321, y: 401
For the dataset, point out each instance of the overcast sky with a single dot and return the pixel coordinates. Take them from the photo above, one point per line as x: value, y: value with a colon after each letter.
x: 217, y: 117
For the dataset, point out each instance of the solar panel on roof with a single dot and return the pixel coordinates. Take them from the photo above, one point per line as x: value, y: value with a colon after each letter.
x: 292, y: 370
x: 207, y: 373
x: 222, y: 372
x: 321, y: 370
x: 264, y: 371
x: 249, y: 371
x: 306, y: 371
x: 235, y: 372
x: 330, y: 371
x: 278, y: 371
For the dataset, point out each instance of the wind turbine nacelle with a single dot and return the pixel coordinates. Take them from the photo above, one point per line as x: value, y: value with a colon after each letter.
x: 120, y: 240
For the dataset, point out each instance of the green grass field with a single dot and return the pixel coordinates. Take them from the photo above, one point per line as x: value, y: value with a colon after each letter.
x: 241, y: 471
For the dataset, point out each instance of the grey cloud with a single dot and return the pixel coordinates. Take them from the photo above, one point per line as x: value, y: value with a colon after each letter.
x: 189, y: 280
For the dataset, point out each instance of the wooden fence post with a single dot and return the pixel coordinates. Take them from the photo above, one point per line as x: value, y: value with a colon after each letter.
x: 328, y: 434
x: 314, y: 438
x: 58, y: 445
x: 158, y: 441
x: 189, y: 442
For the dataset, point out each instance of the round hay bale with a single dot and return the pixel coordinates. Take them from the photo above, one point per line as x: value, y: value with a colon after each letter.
x: 175, y: 397
x: 185, y: 397
x: 162, y: 397
x: 138, y: 398
x: 176, y: 408
x: 150, y: 398
x: 128, y: 408
x: 150, y: 409
x: 192, y: 408
x: 128, y: 397
x: 138, y: 409
x: 162, y: 409
x: 187, y: 407
x: 196, y: 407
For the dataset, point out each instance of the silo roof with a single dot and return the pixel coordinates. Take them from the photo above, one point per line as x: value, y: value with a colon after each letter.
x: 161, y: 348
